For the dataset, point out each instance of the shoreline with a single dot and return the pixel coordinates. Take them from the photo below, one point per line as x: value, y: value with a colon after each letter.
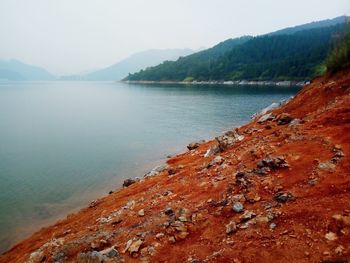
x: 271, y: 185
x: 284, y: 83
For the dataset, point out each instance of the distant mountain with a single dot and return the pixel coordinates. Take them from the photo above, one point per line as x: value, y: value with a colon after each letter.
x: 132, y: 64
x: 17, y: 70
x: 312, y: 25
x: 293, y: 53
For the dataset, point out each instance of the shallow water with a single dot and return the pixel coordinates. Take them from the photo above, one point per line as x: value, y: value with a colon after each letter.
x: 65, y: 143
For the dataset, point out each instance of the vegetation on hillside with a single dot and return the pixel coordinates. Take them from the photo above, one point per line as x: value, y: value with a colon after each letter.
x: 339, y: 57
x: 269, y: 57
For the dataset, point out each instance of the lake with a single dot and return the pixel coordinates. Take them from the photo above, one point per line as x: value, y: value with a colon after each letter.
x: 63, y: 144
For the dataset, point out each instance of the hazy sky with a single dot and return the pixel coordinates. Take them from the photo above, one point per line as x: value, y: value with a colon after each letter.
x: 68, y: 36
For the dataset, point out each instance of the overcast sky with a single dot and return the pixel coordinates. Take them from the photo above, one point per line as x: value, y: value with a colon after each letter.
x: 69, y: 36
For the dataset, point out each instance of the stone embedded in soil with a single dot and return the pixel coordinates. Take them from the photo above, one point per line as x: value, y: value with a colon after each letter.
x: 36, y: 257
x: 331, y: 236
x: 128, y: 182
x: 231, y: 227
x: 284, y: 118
x: 212, y: 151
x: 90, y: 257
x: 141, y: 212
x: 266, y: 117
x: 168, y: 211
x: 283, y: 197
x: 273, y: 162
x: 247, y: 216
x: 217, y: 161
x: 228, y: 139
x: 238, y: 207
x: 133, y: 246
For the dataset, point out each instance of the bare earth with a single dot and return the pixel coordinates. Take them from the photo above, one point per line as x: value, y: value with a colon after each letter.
x: 274, y: 191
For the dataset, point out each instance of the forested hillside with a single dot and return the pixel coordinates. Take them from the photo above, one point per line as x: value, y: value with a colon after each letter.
x: 293, y: 56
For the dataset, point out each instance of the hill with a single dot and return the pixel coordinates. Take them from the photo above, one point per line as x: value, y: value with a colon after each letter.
x: 290, y: 54
x: 17, y: 70
x: 312, y: 25
x: 132, y: 64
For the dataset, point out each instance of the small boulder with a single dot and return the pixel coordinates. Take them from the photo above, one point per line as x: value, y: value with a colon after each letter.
x: 194, y: 145
x: 283, y: 197
x: 231, y: 228
x: 128, y: 182
x: 212, y: 151
x: 267, y: 117
x: 228, y: 139
x: 247, y: 216
x: 284, y: 118
x: 168, y: 211
x: 90, y: 257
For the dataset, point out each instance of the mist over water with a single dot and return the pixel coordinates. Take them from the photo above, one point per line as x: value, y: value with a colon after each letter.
x: 64, y: 143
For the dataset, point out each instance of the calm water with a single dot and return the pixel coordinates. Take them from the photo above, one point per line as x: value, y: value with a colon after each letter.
x: 65, y: 143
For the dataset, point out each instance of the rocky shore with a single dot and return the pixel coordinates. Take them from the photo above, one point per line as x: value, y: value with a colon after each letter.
x: 274, y: 190
x: 285, y: 83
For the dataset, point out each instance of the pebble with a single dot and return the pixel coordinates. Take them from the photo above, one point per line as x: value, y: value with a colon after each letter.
x: 128, y: 182
x: 273, y: 226
x: 141, y: 212
x: 331, y: 236
x: 168, y: 211
x: 238, y: 207
x: 231, y: 227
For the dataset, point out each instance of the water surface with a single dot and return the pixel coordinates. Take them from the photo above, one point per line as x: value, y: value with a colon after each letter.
x: 65, y: 143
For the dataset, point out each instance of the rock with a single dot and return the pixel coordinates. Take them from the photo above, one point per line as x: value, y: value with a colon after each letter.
x: 179, y: 226
x: 295, y: 122
x: 115, y: 220
x: 284, y: 118
x: 283, y: 197
x: 326, y: 166
x: 343, y: 220
x: 228, y: 139
x: 182, y: 235
x: 212, y: 151
x: 141, y: 212
x: 261, y: 171
x: 36, y: 257
x: 157, y: 170
x: 183, y: 214
x: 133, y: 246
x: 194, y: 145
x: 90, y: 257
x: 172, y: 171
x: 331, y: 236
x: 231, y: 228
x: 128, y: 182
x: 238, y: 207
x: 240, y: 175
x: 267, y: 117
x: 159, y: 235
x: 339, y: 250
x: 247, y: 216
x: 59, y: 257
x: 168, y: 211
x: 273, y: 226
x: 218, y: 160
x: 111, y: 252
x: 272, y: 162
